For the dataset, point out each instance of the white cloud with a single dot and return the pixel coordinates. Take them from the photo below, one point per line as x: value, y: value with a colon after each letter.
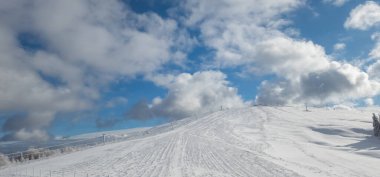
x: 254, y: 37
x: 369, y: 101
x: 105, y: 36
x: 85, y: 45
x: 335, y: 84
x: 375, y: 52
x: 336, y: 2
x: 189, y: 94
x: 374, y: 71
x: 289, y: 58
x: 364, y: 16
x: 339, y: 47
x: 250, y: 34
x: 233, y: 28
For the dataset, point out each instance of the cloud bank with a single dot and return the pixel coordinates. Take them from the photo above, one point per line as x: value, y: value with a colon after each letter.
x: 254, y: 38
x: 56, y: 55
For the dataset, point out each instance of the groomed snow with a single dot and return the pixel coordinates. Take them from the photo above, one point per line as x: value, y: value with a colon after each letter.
x: 258, y: 141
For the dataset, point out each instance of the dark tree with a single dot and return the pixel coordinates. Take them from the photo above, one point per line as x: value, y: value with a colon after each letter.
x: 376, y: 125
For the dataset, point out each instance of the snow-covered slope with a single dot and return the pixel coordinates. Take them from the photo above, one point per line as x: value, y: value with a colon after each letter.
x: 258, y: 141
x: 82, y: 140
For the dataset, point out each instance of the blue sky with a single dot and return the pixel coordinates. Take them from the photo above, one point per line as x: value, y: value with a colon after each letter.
x: 133, y: 63
x: 327, y: 28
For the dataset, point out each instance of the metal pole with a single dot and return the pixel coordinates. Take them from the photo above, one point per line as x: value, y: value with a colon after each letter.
x: 104, y: 138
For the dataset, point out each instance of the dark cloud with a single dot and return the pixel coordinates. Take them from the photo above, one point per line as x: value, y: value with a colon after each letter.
x: 338, y: 83
x: 16, y: 122
x: 274, y: 93
x: 325, y: 84
x: 8, y: 137
x: 26, y: 127
x: 140, y: 111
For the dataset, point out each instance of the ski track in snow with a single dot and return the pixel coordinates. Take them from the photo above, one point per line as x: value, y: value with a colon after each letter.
x: 231, y: 143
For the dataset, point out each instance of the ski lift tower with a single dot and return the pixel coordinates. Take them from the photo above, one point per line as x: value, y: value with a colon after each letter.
x: 104, y: 138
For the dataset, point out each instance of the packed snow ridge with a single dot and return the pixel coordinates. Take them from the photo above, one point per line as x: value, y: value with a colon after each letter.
x: 256, y: 141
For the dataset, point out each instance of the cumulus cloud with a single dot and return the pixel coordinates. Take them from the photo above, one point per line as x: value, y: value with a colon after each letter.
x: 188, y: 94
x: 254, y: 37
x: 288, y: 57
x: 57, y: 54
x: 233, y: 28
x: 337, y: 83
x: 336, y: 2
x: 364, y: 16
x: 305, y: 73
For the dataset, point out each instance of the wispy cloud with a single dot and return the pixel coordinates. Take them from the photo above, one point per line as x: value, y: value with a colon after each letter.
x: 337, y: 3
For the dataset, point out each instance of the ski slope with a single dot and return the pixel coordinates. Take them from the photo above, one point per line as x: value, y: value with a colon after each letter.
x: 256, y: 141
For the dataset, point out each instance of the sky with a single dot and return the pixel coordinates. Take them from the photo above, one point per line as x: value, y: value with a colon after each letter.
x: 69, y: 67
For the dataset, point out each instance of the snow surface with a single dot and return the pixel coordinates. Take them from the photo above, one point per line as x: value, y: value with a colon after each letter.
x: 258, y: 141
